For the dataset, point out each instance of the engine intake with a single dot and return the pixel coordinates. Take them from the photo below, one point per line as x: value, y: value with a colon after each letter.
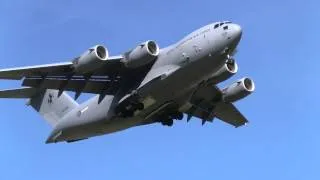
x: 142, y: 54
x: 238, y: 90
x: 229, y: 69
x: 91, y: 59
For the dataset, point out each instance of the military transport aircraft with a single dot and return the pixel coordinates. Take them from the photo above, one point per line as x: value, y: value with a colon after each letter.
x: 142, y: 86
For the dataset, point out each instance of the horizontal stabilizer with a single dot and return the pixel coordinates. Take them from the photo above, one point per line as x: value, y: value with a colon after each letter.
x: 26, y: 92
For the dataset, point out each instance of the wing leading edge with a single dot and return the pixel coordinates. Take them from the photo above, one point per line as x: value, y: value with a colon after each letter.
x: 108, y: 68
x: 21, y: 72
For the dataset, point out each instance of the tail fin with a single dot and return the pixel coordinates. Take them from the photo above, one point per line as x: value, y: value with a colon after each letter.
x: 47, y: 102
x: 52, y: 106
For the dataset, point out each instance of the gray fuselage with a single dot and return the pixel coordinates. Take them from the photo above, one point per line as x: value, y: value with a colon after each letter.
x: 179, y: 69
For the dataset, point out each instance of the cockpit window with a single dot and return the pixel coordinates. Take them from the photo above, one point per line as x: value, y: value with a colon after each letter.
x: 222, y: 23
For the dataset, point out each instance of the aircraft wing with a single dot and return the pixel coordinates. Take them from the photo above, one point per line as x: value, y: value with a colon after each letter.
x: 57, y: 69
x: 228, y: 113
x: 21, y: 72
x: 206, y: 105
x: 60, y: 76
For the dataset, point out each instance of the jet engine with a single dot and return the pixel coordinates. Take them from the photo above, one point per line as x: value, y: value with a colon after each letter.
x: 142, y: 54
x: 91, y: 59
x: 238, y: 90
x: 229, y: 69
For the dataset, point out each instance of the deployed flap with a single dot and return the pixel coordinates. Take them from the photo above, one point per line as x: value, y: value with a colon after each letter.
x: 228, y: 113
x: 18, y: 93
x: 207, y: 104
x: 107, y: 79
x: 94, y: 85
x: 203, y: 102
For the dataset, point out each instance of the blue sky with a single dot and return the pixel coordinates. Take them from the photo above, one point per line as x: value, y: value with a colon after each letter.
x: 278, y: 50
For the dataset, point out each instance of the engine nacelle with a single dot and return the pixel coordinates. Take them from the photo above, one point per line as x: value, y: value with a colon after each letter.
x: 142, y: 54
x: 91, y: 59
x: 229, y: 69
x: 238, y: 90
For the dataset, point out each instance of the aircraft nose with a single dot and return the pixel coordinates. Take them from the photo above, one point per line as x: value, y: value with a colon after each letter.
x: 237, y: 31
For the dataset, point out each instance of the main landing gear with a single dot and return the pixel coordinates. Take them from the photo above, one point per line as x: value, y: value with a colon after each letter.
x: 168, y: 121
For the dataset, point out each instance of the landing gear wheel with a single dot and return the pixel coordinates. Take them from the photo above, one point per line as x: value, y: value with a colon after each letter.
x: 178, y: 116
x: 167, y: 122
x: 230, y: 60
x: 170, y: 122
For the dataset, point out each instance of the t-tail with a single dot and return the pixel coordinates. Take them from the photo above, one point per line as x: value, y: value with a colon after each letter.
x: 51, y: 105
